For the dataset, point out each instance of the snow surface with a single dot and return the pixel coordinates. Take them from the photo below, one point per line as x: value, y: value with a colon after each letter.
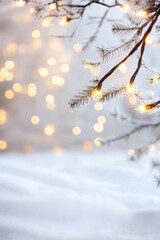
x: 78, y: 196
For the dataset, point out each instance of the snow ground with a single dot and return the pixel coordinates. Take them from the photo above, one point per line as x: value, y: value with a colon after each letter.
x: 78, y: 196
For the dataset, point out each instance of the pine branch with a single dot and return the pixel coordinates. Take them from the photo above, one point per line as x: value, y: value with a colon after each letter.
x: 113, y: 93
x: 39, y: 9
x: 125, y: 136
x: 154, y: 78
x: 139, y: 152
x: 90, y: 64
x: 158, y: 28
x: 83, y: 98
x: 114, y: 52
x: 141, y: 43
x: 120, y: 29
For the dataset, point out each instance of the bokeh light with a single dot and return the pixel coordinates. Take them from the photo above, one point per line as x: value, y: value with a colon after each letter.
x: 9, y: 64
x: 51, y: 61
x: 36, y: 33
x: 49, y: 129
x: 98, y: 127
x: 98, y: 106
x: 49, y: 98
x: 3, y: 145
x: 77, y: 47
x: 32, y: 89
x: 76, y: 131
x: 43, y: 72
x: 35, y: 119
x: 3, y: 116
x: 17, y: 87
x: 9, y: 94
x: 65, y: 68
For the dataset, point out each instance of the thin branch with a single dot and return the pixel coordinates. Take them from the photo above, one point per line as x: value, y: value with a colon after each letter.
x: 129, y: 134
x: 155, y: 17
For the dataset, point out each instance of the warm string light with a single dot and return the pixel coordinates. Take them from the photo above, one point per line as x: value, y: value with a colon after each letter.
x: 87, y: 64
x: 149, y: 40
x: 130, y: 89
x: 143, y: 108
x: 54, y: 6
x: 142, y: 14
x: 125, y: 8
x: 154, y: 79
x: 97, y: 94
x: 65, y: 20
x: 20, y: 3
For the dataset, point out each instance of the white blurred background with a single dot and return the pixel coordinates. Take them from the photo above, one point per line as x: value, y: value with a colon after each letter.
x: 39, y: 74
